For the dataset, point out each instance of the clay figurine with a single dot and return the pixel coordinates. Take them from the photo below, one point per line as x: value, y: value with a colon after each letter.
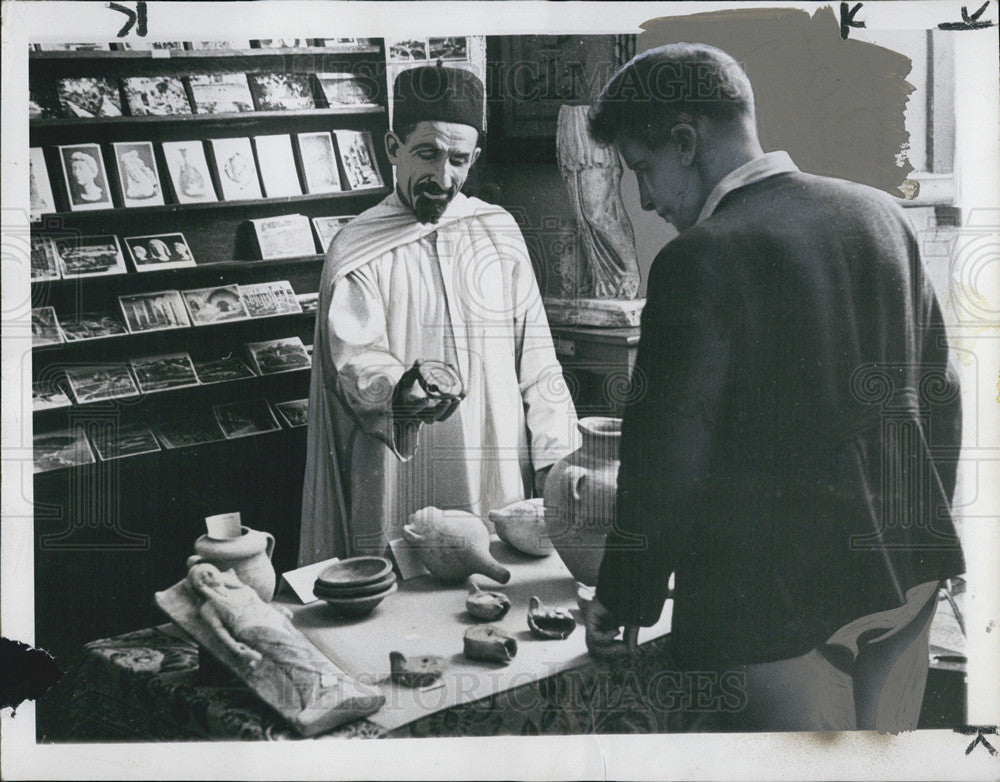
x: 522, y: 526
x: 490, y: 643
x: 420, y: 671
x: 486, y: 606
x: 453, y: 544
x: 549, y: 623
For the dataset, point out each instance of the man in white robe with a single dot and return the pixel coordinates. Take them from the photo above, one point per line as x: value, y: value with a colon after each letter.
x: 428, y: 275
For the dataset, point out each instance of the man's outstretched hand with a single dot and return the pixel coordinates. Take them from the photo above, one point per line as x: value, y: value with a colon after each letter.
x: 603, y: 629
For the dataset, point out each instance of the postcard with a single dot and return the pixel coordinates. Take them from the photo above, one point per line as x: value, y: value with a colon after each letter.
x: 193, y: 428
x: 281, y: 91
x: 45, y: 328
x: 44, y: 263
x: 92, y: 325
x: 118, y: 440
x: 48, y: 395
x: 85, y: 177
x: 347, y: 90
x: 89, y: 256
x: 222, y: 369
x: 158, y: 373
x: 74, y: 47
x: 278, y: 355
x: 345, y: 44
x: 101, y: 381
x: 220, y: 93
x: 294, y: 412
x: 264, y: 299
x: 358, y: 156
x: 234, y: 44
x: 159, y: 251
x: 64, y: 448
x: 236, y: 168
x: 89, y: 97
x: 308, y: 301
x: 138, y: 175
x: 406, y: 50
x: 277, y: 165
x: 154, y: 311
x: 244, y: 418
x: 328, y: 227
x: 39, y: 185
x: 319, y: 162
x: 157, y: 96
x: 189, y: 174
x: 280, y: 43
x: 285, y: 236
x: 208, y: 306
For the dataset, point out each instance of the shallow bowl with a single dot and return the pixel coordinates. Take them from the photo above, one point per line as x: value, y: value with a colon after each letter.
x: 355, y: 572
x: 322, y: 590
x: 357, y: 606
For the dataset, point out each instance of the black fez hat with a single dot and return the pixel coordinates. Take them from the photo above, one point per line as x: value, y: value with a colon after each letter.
x: 433, y: 93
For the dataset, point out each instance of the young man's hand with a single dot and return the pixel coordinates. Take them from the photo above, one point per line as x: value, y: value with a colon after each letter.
x: 602, y: 631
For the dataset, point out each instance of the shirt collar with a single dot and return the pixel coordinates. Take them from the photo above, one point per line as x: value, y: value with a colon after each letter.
x: 756, y: 170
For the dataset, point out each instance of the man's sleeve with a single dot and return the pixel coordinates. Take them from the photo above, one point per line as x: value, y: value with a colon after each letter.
x: 678, y: 384
x: 366, y: 371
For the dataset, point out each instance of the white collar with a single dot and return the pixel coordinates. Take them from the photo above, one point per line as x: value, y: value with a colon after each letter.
x: 759, y: 168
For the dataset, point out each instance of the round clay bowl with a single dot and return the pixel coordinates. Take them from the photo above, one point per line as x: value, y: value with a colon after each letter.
x: 365, y: 590
x: 357, y: 607
x: 355, y: 572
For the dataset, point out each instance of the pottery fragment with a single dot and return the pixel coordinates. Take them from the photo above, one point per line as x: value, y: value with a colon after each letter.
x: 490, y: 643
x: 549, y: 623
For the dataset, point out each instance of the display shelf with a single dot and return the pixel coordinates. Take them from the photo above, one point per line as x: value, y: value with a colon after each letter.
x: 201, y: 54
x: 227, y: 118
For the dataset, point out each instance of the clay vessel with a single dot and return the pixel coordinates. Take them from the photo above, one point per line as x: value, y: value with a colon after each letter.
x: 490, y: 643
x: 417, y: 671
x: 248, y: 555
x: 580, y: 498
x: 549, y: 623
x: 522, y: 526
x: 453, y: 545
x: 486, y: 606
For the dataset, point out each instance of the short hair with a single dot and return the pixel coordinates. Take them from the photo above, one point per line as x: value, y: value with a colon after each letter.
x: 649, y: 95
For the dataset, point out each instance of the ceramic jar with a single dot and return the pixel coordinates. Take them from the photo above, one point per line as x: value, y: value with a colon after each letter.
x: 580, y: 494
x: 453, y: 545
x: 248, y: 555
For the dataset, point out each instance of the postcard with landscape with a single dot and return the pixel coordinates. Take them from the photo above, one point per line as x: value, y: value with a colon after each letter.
x: 44, y: 264
x: 116, y: 440
x: 193, y: 428
x: 158, y: 373
x: 246, y: 417
x: 346, y: 90
x: 220, y: 93
x: 158, y: 96
x: 278, y: 355
x: 154, y: 311
x: 45, y: 328
x: 92, y: 325
x: 48, y: 395
x: 281, y: 91
x: 222, y: 369
x: 295, y: 412
x: 89, y: 256
x: 103, y: 381
x: 208, y: 306
x: 358, y: 156
x: 264, y: 299
x: 89, y: 97
x: 64, y: 448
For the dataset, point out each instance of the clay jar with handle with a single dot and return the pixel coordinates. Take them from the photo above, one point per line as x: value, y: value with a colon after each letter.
x: 249, y: 556
x: 453, y: 545
x: 580, y: 494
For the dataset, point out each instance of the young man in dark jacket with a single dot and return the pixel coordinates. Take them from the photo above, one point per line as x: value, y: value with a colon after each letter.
x: 792, y: 460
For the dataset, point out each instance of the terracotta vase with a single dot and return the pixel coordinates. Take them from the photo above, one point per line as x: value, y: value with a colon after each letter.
x: 248, y: 555
x: 453, y: 545
x: 580, y: 498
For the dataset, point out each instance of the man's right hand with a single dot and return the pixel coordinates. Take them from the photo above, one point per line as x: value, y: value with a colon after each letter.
x: 417, y: 397
x: 602, y: 631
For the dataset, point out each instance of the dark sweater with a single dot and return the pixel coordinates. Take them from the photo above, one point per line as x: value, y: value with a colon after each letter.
x: 792, y: 456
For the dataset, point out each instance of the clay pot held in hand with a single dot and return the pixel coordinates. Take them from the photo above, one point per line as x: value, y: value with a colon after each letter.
x: 453, y: 545
x: 580, y: 495
x: 248, y: 555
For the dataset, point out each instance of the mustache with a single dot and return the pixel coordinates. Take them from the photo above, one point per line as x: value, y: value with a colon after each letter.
x: 432, y: 188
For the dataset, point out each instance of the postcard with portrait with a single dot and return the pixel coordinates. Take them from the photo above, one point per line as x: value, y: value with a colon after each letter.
x: 346, y: 90
x: 45, y: 329
x: 92, y: 325
x: 220, y: 93
x: 48, y: 394
x: 294, y: 412
x: 159, y: 251
x: 244, y: 418
x: 138, y: 175
x: 44, y: 264
x: 276, y: 161
x: 63, y: 448
x: 154, y: 311
x: 236, y: 168
x: 116, y: 440
x: 222, y: 369
x: 208, y: 306
x: 265, y: 299
x: 39, y: 184
x: 285, y: 236
x: 192, y: 428
x: 89, y: 256
x: 278, y: 355
x: 319, y: 162
x: 157, y: 96
x: 100, y: 381
x: 158, y: 373
x: 89, y: 97
x: 281, y: 91
x: 328, y: 227
x: 358, y: 156
x: 85, y: 177
x: 190, y: 177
